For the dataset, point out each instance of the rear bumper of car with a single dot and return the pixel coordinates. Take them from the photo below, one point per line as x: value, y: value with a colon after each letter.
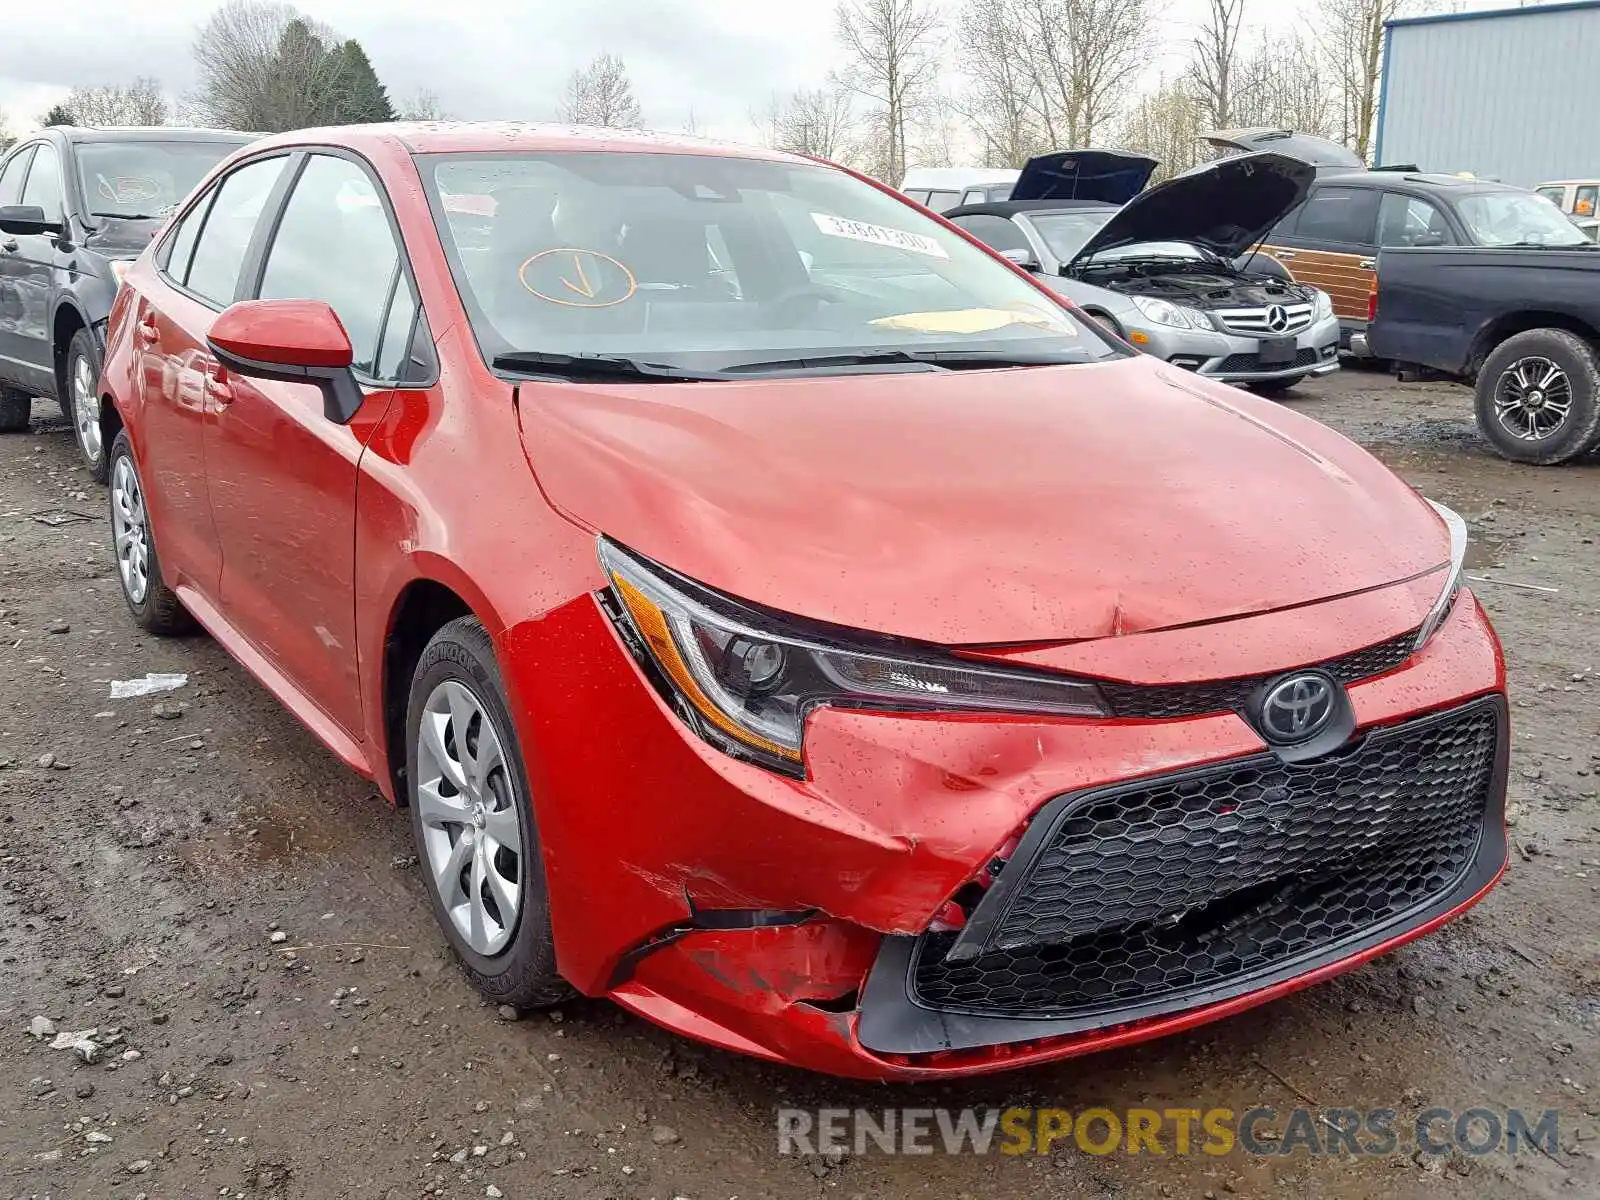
x: 787, y: 918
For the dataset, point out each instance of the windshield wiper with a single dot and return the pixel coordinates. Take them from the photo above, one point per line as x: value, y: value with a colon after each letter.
x: 937, y: 360
x: 1584, y: 245
x: 594, y: 366
x: 121, y: 216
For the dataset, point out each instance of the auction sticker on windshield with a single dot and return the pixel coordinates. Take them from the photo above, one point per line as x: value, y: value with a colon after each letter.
x: 878, y: 235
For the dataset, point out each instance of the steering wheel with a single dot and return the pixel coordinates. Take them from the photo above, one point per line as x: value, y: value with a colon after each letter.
x: 789, y: 305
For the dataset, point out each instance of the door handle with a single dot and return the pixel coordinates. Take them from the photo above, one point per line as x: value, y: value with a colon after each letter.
x: 1284, y: 255
x: 147, y: 331
x: 217, y: 387
x: 1368, y: 264
x: 10, y: 246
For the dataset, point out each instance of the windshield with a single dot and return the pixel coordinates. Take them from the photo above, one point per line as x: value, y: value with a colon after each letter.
x: 1066, y: 233
x: 1517, y: 219
x: 711, y: 262
x: 144, y: 178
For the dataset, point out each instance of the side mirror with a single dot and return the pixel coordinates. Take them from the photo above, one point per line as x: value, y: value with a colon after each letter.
x: 1022, y: 258
x: 25, y: 219
x: 293, y: 341
x: 1428, y: 239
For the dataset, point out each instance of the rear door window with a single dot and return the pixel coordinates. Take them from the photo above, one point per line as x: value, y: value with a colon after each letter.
x: 1341, y: 215
x: 943, y: 201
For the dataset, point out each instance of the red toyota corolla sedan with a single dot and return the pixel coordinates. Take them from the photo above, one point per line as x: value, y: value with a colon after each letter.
x: 782, y: 616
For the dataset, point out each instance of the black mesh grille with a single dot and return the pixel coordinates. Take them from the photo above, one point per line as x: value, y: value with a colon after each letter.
x: 1167, y: 701
x: 1181, y: 885
x: 1252, y: 362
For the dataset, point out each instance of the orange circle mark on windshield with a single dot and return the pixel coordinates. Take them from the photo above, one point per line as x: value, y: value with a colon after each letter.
x: 577, y: 278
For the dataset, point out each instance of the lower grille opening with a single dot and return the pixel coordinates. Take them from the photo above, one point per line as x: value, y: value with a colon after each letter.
x: 1172, y: 891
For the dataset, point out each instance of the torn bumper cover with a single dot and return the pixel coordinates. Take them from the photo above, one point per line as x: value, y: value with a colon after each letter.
x: 946, y: 895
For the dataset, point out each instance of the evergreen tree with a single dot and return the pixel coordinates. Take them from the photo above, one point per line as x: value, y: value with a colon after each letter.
x: 58, y: 115
x: 364, y: 98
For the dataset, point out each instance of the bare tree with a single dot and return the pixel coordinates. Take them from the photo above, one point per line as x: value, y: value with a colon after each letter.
x: 1001, y: 101
x: 7, y: 138
x: 136, y: 103
x: 600, y: 94
x: 691, y: 124
x: 1351, y: 36
x: 1166, y: 125
x: 892, y: 52
x: 1284, y: 83
x: 264, y: 66
x: 1082, y: 57
x: 1212, y: 72
x: 816, y: 121
x: 423, y: 106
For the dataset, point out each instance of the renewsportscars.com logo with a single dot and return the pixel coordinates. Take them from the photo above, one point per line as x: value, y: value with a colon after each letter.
x: 1172, y: 1131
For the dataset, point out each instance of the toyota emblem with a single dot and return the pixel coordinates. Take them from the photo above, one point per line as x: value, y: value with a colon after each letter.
x: 1277, y: 318
x: 1297, y: 708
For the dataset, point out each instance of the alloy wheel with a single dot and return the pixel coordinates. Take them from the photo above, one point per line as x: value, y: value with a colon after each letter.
x: 1532, y: 398
x: 130, y: 528
x: 471, y: 819
x: 86, y: 409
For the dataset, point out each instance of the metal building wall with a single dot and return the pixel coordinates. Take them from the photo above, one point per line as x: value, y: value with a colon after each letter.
x: 1512, y: 95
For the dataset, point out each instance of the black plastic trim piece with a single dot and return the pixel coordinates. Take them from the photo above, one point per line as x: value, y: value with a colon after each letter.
x: 894, y: 1022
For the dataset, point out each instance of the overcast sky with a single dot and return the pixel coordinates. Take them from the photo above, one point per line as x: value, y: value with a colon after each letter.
x: 501, y: 59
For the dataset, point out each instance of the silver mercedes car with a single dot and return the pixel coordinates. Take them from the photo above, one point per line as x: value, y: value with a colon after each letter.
x: 1171, y: 269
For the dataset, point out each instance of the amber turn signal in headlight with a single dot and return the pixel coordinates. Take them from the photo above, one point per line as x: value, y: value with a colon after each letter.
x: 745, y: 678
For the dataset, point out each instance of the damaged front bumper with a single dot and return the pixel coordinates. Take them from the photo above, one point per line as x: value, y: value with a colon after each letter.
x: 795, y: 919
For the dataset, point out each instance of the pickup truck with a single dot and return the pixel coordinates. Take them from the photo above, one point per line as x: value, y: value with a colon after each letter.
x: 1520, y: 325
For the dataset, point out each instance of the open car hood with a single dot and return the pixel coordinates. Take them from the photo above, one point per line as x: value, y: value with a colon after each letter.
x: 1318, y: 151
x: 1226, y: 207
x: 1110, y: 176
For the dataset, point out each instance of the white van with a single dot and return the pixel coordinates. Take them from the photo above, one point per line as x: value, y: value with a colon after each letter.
x: 944, y: 188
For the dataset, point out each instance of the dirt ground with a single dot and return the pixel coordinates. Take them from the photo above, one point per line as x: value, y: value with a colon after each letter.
x: 149, y: 851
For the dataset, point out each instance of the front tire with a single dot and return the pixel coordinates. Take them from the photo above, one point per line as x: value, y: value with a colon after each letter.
x: 472, y: 821
x: 82, y: 400
x: 153, y: 604
x: 16, y: 407
x: 1538, y: 397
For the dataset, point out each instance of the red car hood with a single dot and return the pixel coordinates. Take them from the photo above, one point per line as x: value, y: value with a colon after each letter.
x: 983, y: 507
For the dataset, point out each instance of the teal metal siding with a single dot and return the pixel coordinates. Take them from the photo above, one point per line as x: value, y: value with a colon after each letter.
x: 1509, y: 94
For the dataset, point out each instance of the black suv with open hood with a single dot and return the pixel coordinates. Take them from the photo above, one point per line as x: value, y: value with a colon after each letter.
x: 77, y: 206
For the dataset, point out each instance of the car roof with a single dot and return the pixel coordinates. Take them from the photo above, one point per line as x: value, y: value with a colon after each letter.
x: 500, y: 137
x: 1010, y: 208
x: 958, y: 178
x: 1416, y: 179
x: 152, y: 133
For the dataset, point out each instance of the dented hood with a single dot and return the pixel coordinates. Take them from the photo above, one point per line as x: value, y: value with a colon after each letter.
x: 1225, y: 207
x: 983, y: 507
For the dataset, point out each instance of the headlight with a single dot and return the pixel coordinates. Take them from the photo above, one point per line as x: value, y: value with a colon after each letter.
x: 1324, y: 306
x: 119, y: 268
x: 746, y: 678
x: 1452, y: 584
x: 1164, y: 312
